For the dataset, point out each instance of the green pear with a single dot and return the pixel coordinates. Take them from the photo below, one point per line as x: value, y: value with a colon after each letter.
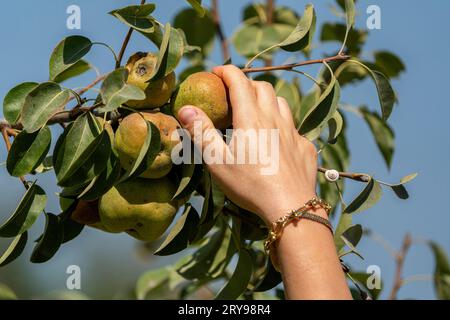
x: 157, y: 92
x: 206, y: 91
x: 130, y: 137
x: 141, y: 207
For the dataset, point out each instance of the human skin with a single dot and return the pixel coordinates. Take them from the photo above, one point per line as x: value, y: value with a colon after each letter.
x: 306, y: 253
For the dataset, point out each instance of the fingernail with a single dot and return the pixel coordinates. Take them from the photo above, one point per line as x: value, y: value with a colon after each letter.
x: 187, y: 115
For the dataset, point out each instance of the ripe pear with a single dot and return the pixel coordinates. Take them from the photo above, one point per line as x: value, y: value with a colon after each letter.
x: 86, y: 212
x: 157, y: 92
x: 130, y: 137
x: 206, y: 91
x: 143, y: 208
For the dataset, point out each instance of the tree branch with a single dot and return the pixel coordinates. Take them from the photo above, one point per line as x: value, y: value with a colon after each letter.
x: 299, y: 64
x: 360, y: 177
x: 219, y: 30
x: 400, y: 260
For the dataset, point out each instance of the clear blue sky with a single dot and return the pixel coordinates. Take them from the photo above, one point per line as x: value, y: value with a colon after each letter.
x: 418, y: 33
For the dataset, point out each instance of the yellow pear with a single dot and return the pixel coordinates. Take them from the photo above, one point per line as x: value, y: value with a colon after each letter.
x: 206, y: 91
x: 143, y: 208
x: 130, y: 137
x: 157, y: 92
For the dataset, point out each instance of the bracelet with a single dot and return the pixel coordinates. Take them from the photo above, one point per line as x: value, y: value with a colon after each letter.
x: 301, y: 213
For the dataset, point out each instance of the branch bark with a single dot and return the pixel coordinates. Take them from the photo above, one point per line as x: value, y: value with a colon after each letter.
x: 360, y: 177
x: 400, y: 260
x: 219, y: 30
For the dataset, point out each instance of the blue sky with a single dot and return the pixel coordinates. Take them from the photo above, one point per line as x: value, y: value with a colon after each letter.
x: 417, y: 33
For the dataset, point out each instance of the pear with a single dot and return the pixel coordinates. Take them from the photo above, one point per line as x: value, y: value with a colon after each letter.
x: 130, y: 137
x: 140, y: 68
x: 143, y: 208
x: 206, y: 91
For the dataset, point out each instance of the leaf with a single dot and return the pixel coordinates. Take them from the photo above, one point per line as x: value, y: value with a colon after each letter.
x: 441, y: 272
x: 181, y: 232
x: 50, y: 240
x: 197, y: 5
x: 41, y: 104
x: 136, y: 16
x: 366, y: 199
x: 115, y: 91
x: 350, y: 13
x: 385, y: 93
x: 323, y: 110
x: 74, y: 70
x: 239, y: 279
x: 149, y: 150
x: 14, y: 250
x: 28, y: 151
x: 362, y: 278
x: 191, y: 175
x: 344, y: 224
x: 207, y: 217
x: 271, y: 279
x: 15, y: 99
x: 171, y: 51
x: 336, y: 32
x: 67, y: 53
x: 26, y: 213
x: 399, y: 189
x: 150, y: 281
x: 389, y: 64
x: 383, y: 134
x: 70, y: 229
x: 199, y: 31
x: 71, y: 145
x: 90, y: 163
x: 335, y: 126
x: 353, y: 234
x: 303, y: 33
x: 6, y: 293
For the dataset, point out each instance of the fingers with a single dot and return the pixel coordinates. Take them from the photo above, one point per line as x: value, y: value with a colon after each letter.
x: 204, y: 135
x: 285, y: 111
x: 266, y: 97
x: 241, y: 92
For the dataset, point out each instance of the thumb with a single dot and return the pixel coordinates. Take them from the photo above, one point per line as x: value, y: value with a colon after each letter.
x: 202, y: 131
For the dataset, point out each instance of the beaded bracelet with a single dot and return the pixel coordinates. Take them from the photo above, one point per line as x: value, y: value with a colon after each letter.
x: 301, y: 213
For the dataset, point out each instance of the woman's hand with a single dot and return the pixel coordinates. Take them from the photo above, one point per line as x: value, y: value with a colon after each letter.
x: 270, y: 189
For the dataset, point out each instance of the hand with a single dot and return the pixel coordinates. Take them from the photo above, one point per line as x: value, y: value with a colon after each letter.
x: 293, y: 163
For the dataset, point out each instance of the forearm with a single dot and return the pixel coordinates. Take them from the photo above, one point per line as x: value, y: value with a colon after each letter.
x: 309, y: 262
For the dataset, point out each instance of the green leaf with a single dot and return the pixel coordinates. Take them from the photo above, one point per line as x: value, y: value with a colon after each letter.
x: 137, y: 16
x: 50, y: 241
x: 362, y: 278
x: 171, y: 51
x: 336, y: 32
x: 385, y: 93
x: 91, y: 162
x: 199, y: 31
x: 399, y: 189
x: 28, y: 210
x: 67, y: 53
x: 350, y: 13
x: 70, y: 228
x: 191, y: 175
x: 207, y: 216
x: 335, y: 126
x: 28, y: 151
x: 383, y: 134
x: 197, y: 5
x: 344, y: 224
x: 389, y: 64
x: 115, y: 91
x: 303, y: 33
x: 239, y: 279
x: 41, y: 104
x: 366, y: 199
x: 441, y: 272
x: 73, y: 143
x: 323, y: 110
x: 353, y: 234
x: 6, y: 293
x: 149, y: 150
x: 14, y: 250
x: 152, y: 282
x: 15, y: 99
x: 271, y: 279
x: 181, y: 232
x: 74, y: 70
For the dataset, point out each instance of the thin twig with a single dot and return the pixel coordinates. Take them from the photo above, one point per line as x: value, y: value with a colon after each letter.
x: 125, y: 44
x: 400, y: 260
x: 219, y: 30
x: 361, y: 177
x: 299, y: 64
x: 270, y: 11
